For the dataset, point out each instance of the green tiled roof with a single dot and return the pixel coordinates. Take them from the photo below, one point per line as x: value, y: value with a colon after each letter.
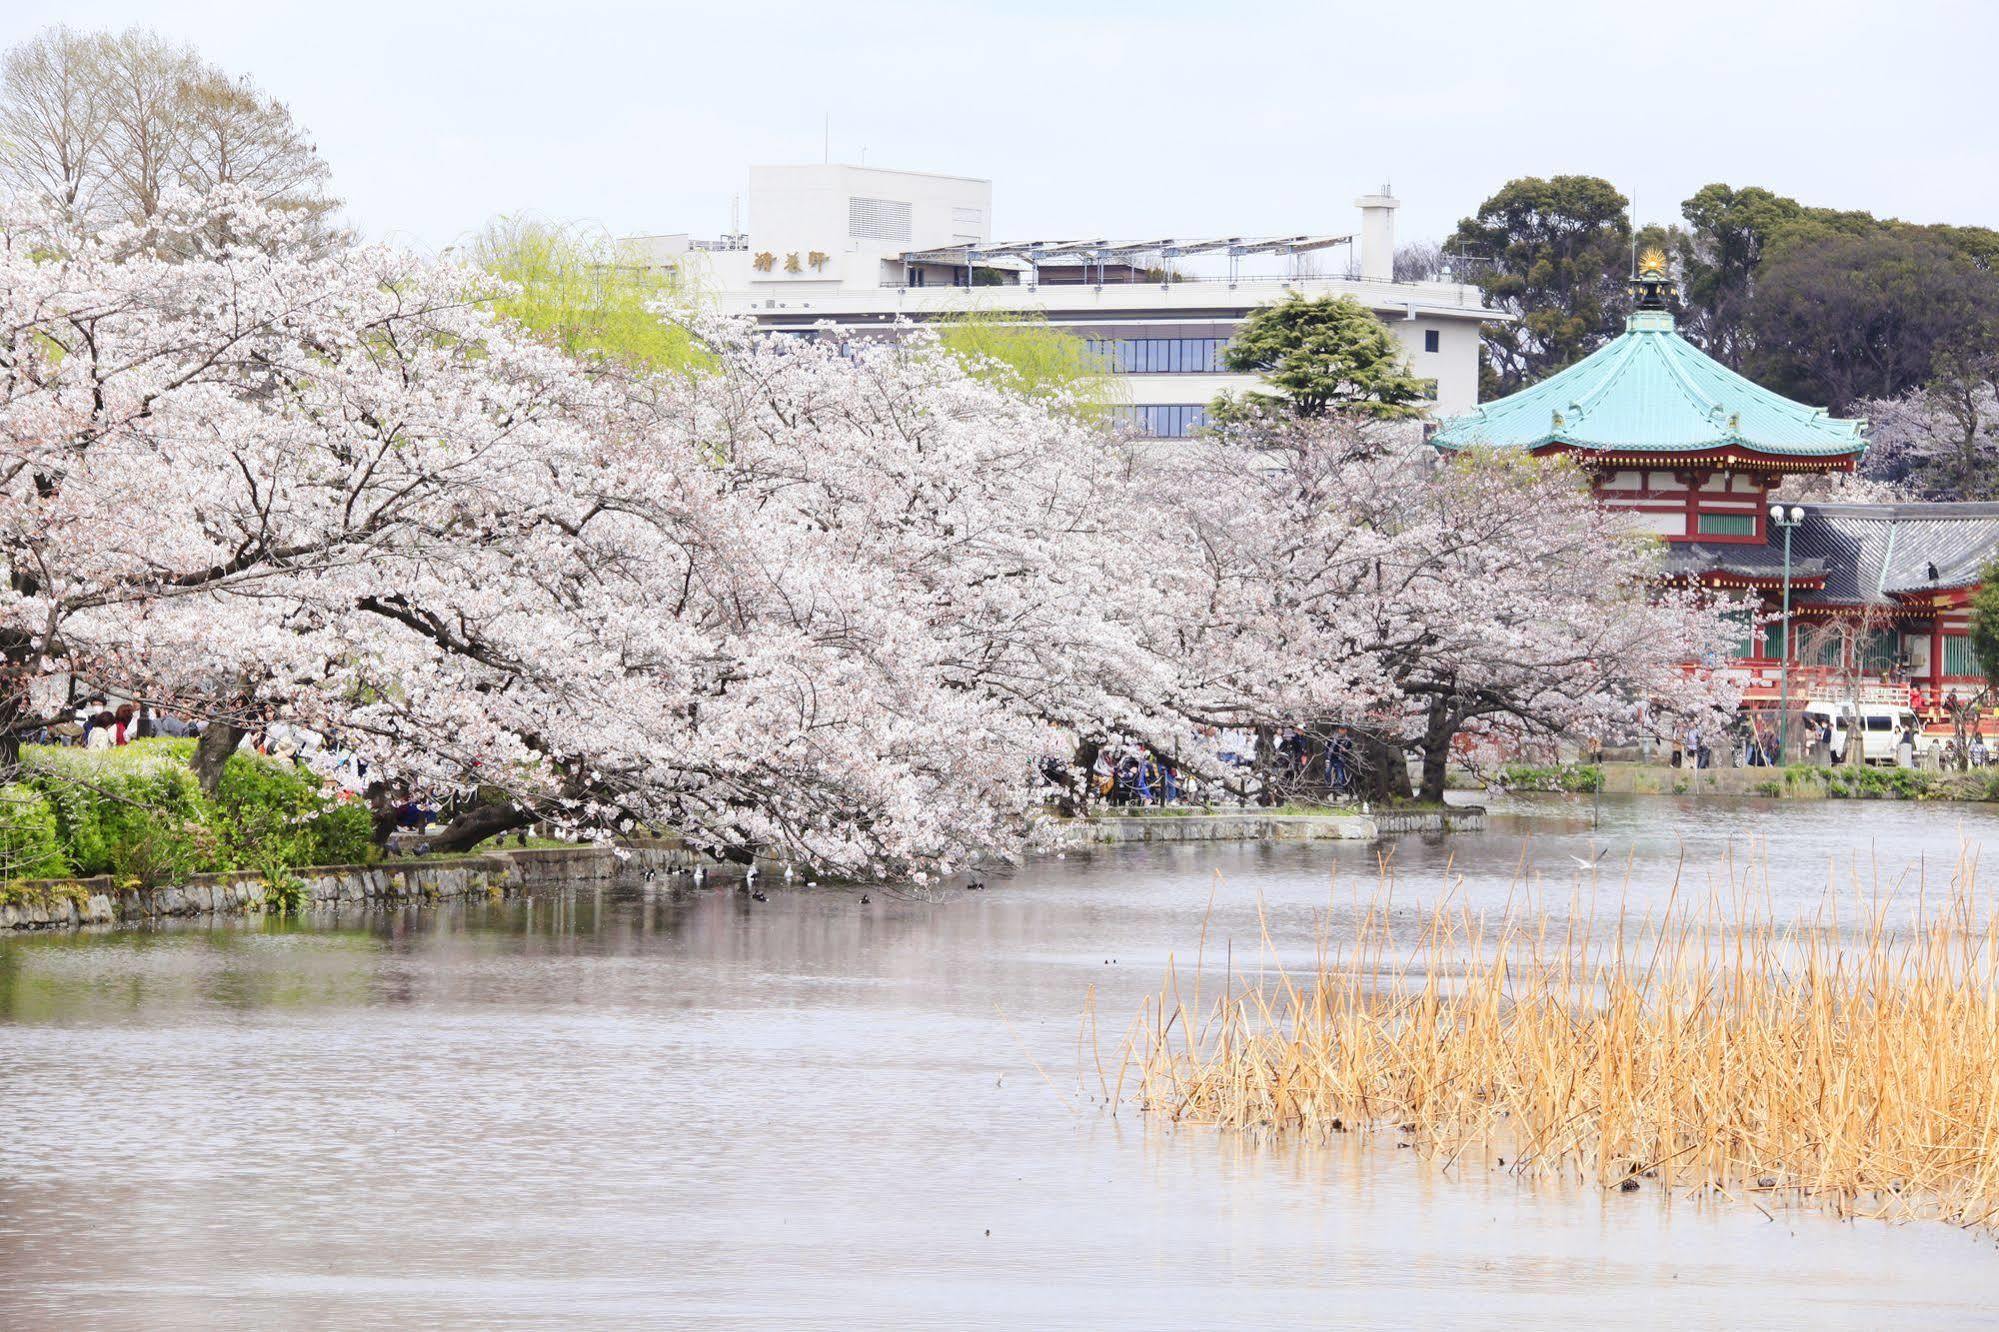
x: 1650, y: 390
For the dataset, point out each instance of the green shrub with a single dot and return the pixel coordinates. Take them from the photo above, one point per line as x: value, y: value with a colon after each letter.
x: 1573, y: 778
x: 137, y: 812
x: 343, y: 835
x: 30, y: 847
x: 284, y: 892
x: 267, y: 810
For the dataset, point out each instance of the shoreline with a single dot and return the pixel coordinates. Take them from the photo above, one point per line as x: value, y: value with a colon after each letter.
x: 67, y: 904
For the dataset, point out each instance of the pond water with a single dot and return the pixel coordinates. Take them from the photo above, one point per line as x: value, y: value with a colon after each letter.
x: 678, y: 1107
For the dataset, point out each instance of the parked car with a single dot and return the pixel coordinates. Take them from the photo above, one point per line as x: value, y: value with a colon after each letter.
x: 1879, y: 725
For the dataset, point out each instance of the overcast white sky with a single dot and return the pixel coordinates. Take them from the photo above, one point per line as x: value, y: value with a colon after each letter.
x: 1108, y: 118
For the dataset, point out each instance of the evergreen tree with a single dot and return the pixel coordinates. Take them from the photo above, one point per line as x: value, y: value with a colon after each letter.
x: 1324, y: 355
x: 1555, y: 254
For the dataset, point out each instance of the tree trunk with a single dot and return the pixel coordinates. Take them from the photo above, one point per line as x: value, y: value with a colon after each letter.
x: 1381, y: 768
x: 383, y: 809
x: 475, y: 824
x: 219, y: 740
x: 1437, y: 736
x: 1081, y: 778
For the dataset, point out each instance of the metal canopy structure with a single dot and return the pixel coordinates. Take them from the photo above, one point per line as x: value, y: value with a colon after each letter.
x: 1103, y: 252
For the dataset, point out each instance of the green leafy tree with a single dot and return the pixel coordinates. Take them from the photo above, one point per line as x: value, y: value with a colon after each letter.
x: 1728, y: 231
x: 1326, y: 354
x: 1555, y: 254
x: 573, y: 286
x: 1985, y: 622
x: 1841, y: 314
x: 1024, y: 354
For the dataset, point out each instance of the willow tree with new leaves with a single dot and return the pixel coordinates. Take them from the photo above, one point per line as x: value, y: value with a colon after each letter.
x: 575, y: 286
x: 1023, y: 353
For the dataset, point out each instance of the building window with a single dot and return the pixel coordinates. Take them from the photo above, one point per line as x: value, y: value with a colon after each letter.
x: 971, y: 215
x: 1958, y: 658
x: 1431, y: 339
x: 1745, y: 634
x: 1163, y: 421
x: 878, y: 219
x: 1880, y: 651
x: 1161, y: 356
x: 1727, y: 524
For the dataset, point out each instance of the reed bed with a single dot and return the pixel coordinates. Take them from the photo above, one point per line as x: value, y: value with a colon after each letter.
x: 1849, y: 1057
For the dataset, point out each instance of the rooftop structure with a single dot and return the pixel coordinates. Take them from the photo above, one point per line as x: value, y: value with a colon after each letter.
x: 1691, y: 448
x: 862, y: 247
x: 1649, y: 397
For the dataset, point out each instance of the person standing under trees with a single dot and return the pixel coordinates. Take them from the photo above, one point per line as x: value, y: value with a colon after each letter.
x: 1340, y: 760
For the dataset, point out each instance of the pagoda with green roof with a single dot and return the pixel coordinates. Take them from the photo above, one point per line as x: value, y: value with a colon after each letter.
x: 1691, y: 448
x: 1877, y: 592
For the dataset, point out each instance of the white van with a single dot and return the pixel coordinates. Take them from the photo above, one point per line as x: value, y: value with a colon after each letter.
x: 1879, y: 725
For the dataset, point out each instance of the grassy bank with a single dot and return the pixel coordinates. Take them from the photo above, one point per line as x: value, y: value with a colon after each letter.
x: 1566, y: 778
x: 138, y: 814
x: 1850, y: 783
x: 1709, y: 1048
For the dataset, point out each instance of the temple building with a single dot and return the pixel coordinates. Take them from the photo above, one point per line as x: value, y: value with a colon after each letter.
x: 1695, y: 451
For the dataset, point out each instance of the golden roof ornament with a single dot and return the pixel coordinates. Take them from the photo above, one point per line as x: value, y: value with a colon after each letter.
x: 1652, y: 289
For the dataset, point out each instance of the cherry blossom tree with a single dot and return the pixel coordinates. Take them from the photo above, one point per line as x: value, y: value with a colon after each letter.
x: 1351, y: 580
x: 200, y: 416
x: 821, y: 601
x: 828, y: 601
x: 1940, y: 441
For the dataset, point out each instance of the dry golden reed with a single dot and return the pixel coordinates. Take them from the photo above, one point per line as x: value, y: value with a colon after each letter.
x: 1850, y: 1057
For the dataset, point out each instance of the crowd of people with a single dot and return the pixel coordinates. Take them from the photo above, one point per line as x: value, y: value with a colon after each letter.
x: 94, y: 724
x: 1127, y: 773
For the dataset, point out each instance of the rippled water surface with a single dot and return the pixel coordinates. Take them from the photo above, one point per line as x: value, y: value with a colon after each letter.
x: 658, y: 1107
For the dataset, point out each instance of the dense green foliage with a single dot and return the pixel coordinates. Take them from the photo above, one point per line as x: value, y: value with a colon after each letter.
x: 1553, y: 253
x: 1323, y: 354
x: 1825, y: 305
x: 138, y: 813
x: 1024, y: 354
x: 1839, y: 316
x: 30, y: 847
x: 1985, y: 621
x: 1728, y: 231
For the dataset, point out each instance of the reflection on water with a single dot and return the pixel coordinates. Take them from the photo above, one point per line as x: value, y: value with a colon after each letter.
x: 628, y: 1107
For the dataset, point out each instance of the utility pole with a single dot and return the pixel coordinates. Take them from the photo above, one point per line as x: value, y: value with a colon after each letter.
x: 1787, y: 520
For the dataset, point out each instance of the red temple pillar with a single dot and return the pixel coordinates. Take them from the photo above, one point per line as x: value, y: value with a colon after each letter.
x: 1936, y: 661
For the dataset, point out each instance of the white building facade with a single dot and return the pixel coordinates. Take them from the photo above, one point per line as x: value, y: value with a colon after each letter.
x: 861, y: 247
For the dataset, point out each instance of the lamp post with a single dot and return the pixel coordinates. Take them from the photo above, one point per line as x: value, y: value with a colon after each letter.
x: 1786, y: 519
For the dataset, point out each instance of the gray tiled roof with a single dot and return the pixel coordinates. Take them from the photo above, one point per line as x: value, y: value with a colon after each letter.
x: 1694, y: 558
x: 1872, y: 551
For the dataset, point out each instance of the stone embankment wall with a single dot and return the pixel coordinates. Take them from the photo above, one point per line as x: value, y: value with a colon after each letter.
x: 1251, y: 826
x: 60, y: 903
x: 1453, y: 818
